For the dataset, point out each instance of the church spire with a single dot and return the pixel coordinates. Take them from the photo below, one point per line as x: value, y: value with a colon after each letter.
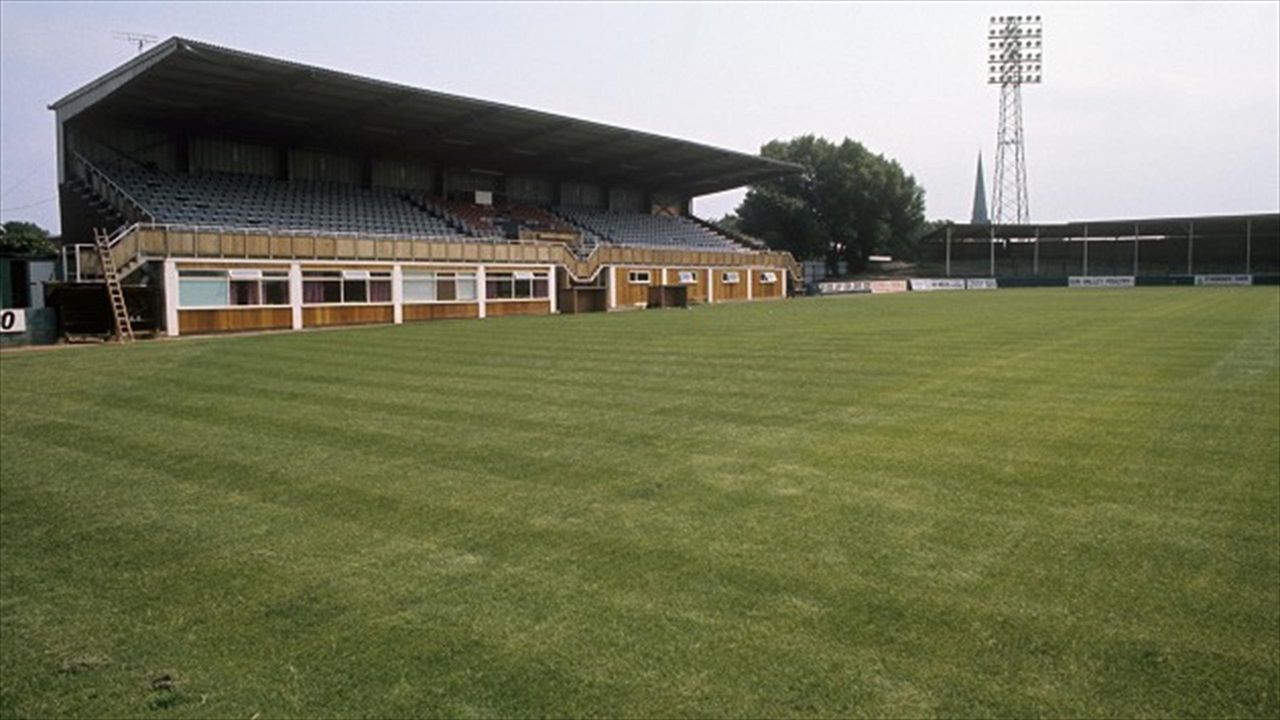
x: 980, y: 216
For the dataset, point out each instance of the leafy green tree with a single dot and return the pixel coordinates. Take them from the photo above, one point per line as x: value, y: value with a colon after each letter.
x: 730, y: 222
x: 24, y: 238
x: 847, y: 204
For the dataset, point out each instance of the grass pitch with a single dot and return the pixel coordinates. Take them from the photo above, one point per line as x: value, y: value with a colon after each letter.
x: 1019, y: 503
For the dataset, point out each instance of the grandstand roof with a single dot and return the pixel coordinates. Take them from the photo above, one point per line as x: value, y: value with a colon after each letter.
x: 1204, y: 225
x: 190, y: 85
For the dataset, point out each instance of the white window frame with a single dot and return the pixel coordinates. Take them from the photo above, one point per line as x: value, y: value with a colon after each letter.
x: 530, y: 276
x: 768, y: 277
x: 730, y: 277
x: 343, y: 277
x: 633, y: 277
x: 687, y: 277
x: 460, y: 278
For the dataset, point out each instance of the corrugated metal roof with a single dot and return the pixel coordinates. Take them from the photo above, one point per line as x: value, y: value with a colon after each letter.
x: 198, y: 87
x: 1201, y: 225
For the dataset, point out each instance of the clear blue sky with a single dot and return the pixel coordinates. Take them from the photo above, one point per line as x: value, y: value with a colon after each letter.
x: 1146, y: 109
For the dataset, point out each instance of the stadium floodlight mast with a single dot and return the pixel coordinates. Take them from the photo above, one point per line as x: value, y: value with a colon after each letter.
x: 1013, y: 60
x: 140, y: 39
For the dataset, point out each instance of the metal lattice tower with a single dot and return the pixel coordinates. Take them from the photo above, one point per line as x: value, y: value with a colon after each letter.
x: 1013, y: 60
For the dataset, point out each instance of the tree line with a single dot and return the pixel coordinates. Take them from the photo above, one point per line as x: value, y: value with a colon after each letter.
x: 848, y: 204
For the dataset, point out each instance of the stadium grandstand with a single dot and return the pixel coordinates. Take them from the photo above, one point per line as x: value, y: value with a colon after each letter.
x: 217, y: 191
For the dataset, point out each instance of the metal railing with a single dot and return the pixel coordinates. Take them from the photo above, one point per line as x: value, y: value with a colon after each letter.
x: 109, y: 190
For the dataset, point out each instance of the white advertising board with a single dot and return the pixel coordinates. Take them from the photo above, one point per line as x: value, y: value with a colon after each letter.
x: 13, y: 320
x: 1224, y: 279
x: 927, y: 284
x: 1100, y: 281
x: 980, y: 284
x: 847, y: 286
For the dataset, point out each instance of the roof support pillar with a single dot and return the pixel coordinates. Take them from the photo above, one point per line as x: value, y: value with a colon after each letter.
x: 295, y: 295
x: 993, y: 251
x: 1035, y: 253
x: 1191, y: 246
x: 397, y: 294
x: 551, y: 289
x: 948, y: 256
x: 1248, y: 247
x: 1085, y: 266
x: 1135, y: 250
x: 170, y: 297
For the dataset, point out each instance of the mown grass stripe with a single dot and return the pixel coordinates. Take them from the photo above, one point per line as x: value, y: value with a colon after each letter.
x: 1041, y: 502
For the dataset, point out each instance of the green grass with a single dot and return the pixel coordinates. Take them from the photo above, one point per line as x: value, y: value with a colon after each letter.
x: 1020, y: 503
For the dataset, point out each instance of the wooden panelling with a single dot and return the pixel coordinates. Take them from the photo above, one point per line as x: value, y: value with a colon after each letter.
x: 234, y: 320
x: 444, y: 311
x: 726, y: 292
x: 280, y: 247
x: 630, y: 294
x: 346, y: 315
x: 410, y: 268
x: 257, y: 246
x: 233, y: 242
x: 585, y: 299
x: 518, y: 307
x: 764, y: 291
x: 220, y: 265
x: 164, y: 241
x: 697, y: 289
x: 330, y: 267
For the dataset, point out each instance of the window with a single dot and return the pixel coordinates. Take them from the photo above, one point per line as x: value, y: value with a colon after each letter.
x: 465, y: 287
x: 638, y: 277
x: 767, y: 277
x: 499, y: 285
x: 519, y: 285
x: 226, y: 288
x: 419, y: 287
x: 432, y: 286
x: 202, y: 288
x: 319, y: 287
x: 688, y: 277
x: 275, y: 288
x: 730, y: 277
x: 347, y: 287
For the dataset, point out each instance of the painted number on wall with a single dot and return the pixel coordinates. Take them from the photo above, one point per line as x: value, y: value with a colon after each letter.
x: 13, y: 321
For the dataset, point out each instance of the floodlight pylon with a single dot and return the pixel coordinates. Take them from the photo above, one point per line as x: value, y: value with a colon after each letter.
x: 1014, y: 46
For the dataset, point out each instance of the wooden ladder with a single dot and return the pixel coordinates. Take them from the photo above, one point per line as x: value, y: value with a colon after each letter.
x: 119, y: 311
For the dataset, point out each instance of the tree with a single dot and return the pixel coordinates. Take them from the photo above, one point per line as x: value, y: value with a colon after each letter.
x: 730, y: 222
x: 847, y: 204
x: 24, y: 238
